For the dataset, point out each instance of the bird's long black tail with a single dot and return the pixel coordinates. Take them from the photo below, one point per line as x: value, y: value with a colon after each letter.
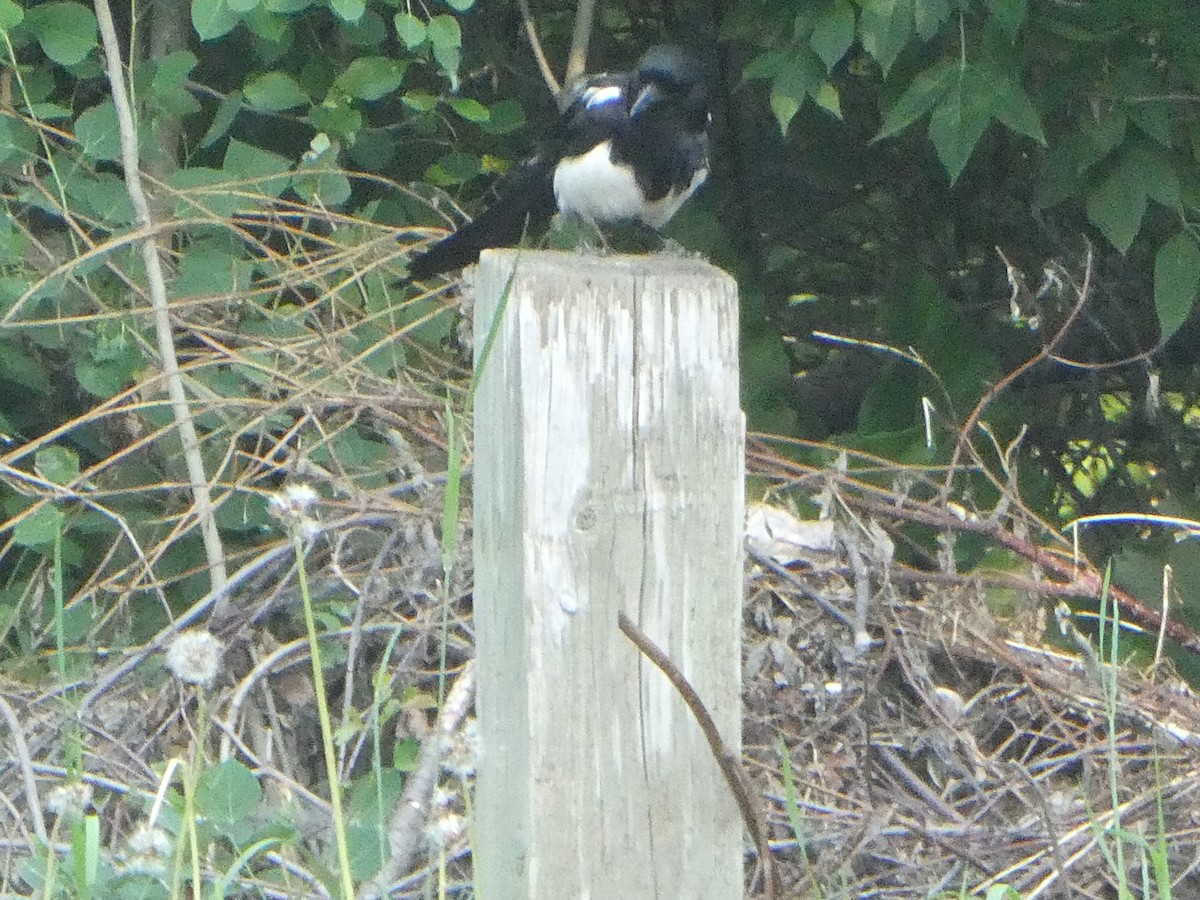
x: 526, y: 205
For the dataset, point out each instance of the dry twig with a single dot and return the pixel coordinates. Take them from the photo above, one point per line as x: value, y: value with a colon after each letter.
x: 158, y: 298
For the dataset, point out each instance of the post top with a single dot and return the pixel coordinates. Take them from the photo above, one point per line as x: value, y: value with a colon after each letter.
x: 547, y: 262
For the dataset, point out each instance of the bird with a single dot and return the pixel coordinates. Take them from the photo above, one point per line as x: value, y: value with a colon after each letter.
x: 630, y: 147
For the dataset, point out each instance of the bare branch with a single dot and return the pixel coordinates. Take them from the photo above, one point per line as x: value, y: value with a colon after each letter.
x: 585, y: 16
x: 728, y: 762
x: 408, y: 818
x: 535, y: 44
x: 201, y: 498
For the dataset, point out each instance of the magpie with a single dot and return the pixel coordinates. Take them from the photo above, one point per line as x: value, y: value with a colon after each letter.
x: 630, y: 147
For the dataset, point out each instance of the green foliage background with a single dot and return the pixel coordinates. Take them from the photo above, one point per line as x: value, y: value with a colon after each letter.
x: 870, y: 160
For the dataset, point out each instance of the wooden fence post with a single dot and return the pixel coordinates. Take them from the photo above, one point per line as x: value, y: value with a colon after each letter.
x: 608, y: 476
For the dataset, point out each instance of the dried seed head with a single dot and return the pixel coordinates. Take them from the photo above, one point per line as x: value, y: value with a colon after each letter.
x: 444, y: 830
x: 149, y: 852
x: 149, y: 840
x: 71, y: 800
x: 293, y: 503
x: 194, y: 657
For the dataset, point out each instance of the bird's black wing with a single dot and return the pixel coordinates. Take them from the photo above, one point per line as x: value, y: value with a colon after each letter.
x: 525, y: 204
x: 666, y: 141
x: 597, y: 109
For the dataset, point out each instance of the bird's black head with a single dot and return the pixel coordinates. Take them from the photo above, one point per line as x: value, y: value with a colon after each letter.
x: 667, y: 75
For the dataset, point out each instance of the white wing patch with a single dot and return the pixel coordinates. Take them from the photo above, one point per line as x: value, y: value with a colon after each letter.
x: 601, y: 95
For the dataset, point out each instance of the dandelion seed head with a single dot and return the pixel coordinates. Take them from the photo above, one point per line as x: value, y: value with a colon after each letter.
x: 72, y: 799
x: 194, y: 657
x: 293, y: 507
x: 445, y: 830
x: 309, y: 528
x: 150, y: 841
x: 293, y: 502
x: 442, y: 798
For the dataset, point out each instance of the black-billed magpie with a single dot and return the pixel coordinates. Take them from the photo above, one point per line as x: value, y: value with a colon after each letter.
x: 632, y: 147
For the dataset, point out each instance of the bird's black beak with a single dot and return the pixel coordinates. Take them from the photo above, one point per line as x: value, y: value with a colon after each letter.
x: 651, y: 94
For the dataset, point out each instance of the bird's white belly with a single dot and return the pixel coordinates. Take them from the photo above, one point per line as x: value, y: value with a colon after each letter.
x: 592, y: 187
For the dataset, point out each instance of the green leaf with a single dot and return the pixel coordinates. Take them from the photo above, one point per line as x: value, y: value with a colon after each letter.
x: 504, y: 117
x: 366, y: 846
x: 1010, y: 104
x: 1153, y: 118
x: 410, y: 30
x: 105, y: 377
x: 829, y: 99
x: 353, y: 451
x: 39, y: 529
x: 348, y: 10
x: 833, y: 32
x: 1098, y: 136
x: 57, y: 464
x: 274, y: 29
x: 1155, y: 170
x: 13, y: 245
x: 103, y: 194
x: 960, y: 119
x: 110, y: 363
x: 471, y: 110
x: 378, y: 349
x: 16, y: 140
x: 20, y: 367
x: 460, y: 5
x: 169, y: 84
x: 275, y: 91
x: 1009, y: 14
x: 885, y: 27
x: 371, y: 77
x: 371, y: 800
x: 445, y: 37
x: 927, y: 88
x: 1116, y: 207
x: 241, y: 7
x: 1176, y: 282
x: 453, y: 168
x: 208, y: 270
x: 419, y: 101
x: 427, y: 321
x: 49, y: 111
x: 337, y: 117
x: 97, y: 132
x: 766, y: 65
x: 404, y: 755
x: 11, y: 15
x: 66, y: 31
x: 318, y: 179
x: 929, y: 15
x: 212, y: 18
x: 267, y: 171
x: 202, y: 192
x: 228, y: 794
x: 223, y: 119
x: 801, y: 78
